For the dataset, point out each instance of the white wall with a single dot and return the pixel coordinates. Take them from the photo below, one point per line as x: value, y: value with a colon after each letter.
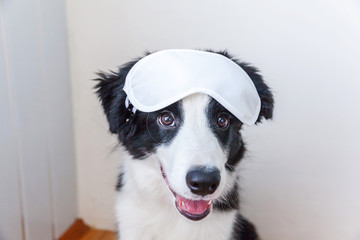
x: 37, y: 164
x: 301, y: 178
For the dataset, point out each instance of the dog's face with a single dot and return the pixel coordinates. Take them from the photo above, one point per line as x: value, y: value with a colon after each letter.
x: 201, y: 139
x: 195, y: 141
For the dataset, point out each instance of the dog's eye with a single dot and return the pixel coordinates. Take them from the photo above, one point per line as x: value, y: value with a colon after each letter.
x: 166, y: 119
x: 223, y: 120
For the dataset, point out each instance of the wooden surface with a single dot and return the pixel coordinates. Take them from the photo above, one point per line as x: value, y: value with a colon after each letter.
x: 80, y: 231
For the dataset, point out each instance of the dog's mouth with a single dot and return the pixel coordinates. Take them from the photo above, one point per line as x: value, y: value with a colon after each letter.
x: 192, y: 209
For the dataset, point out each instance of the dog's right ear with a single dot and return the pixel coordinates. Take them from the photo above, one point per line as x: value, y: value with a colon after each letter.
x: 112, y: 96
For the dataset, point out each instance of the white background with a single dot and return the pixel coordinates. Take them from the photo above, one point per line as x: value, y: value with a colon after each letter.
x: 301, y: 178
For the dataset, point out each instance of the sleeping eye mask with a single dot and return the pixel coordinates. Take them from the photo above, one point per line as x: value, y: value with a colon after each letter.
x: 164, y: 77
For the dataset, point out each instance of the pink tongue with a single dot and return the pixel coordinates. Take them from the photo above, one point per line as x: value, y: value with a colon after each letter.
x: 191, y: 206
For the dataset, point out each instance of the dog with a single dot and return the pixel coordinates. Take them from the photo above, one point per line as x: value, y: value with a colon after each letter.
x: 187, y: 153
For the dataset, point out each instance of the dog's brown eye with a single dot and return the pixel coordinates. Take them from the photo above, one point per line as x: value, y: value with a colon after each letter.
x: 167, y: 119
x: 223, y: 120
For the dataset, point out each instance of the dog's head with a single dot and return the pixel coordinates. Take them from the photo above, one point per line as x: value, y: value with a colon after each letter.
x: 196, y: 141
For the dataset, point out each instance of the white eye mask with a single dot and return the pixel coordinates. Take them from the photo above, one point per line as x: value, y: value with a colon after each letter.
x: 162, y: 78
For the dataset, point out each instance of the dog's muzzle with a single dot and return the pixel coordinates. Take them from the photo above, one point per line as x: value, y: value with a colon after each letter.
x: 201, y: 182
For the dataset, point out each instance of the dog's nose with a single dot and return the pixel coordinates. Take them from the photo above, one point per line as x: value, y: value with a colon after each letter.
x: 203, y: 181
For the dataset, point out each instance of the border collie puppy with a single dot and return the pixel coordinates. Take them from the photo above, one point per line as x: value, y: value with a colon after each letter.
x: 179, y: 179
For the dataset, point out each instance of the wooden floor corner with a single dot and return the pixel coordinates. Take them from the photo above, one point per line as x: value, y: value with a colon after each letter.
x: 80, y: 231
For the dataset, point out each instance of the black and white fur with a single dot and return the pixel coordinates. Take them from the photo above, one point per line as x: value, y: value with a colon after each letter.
x: 145, y: 206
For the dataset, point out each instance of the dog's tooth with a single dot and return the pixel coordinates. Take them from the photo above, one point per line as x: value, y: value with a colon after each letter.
x: 182, y: 203
x: 210, y: 202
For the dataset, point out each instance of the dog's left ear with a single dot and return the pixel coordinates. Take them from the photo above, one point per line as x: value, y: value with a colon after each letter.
x: 266, y: 96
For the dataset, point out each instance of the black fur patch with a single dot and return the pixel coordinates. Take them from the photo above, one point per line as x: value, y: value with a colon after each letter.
x: 230, y: 202
x: 229, y: 138
x: 244, y: 230
x: 110, y: 92
x: 146, y: 134
x: 119, y: 183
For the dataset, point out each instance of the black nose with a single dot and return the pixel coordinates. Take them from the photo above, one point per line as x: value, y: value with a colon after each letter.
x: 203, y: 181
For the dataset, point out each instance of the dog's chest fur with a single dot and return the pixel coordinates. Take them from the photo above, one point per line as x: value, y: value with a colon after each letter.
x: 145, y: 210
